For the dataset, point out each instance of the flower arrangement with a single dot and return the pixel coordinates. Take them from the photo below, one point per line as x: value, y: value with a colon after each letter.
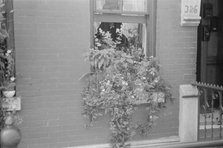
x: 120, y: 80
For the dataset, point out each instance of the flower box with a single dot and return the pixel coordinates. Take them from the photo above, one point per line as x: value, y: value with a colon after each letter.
x: 157, y: 97
x: 12, y: 104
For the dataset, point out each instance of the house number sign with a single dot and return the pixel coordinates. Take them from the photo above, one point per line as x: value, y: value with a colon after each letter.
x: 190, y: 12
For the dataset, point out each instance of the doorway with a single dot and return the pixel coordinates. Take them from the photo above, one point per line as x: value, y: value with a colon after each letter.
x: 210, y: 43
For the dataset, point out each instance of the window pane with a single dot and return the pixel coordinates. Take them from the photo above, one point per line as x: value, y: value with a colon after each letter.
x: 122, y: 5
x: 108, y: 4
x: 135, y: 5
x: 123, y: 34
x: 135, y: 34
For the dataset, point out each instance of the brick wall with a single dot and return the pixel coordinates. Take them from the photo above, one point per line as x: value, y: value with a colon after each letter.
x: 176, y: 45
x: 50, y: 39
x: 176, y: 48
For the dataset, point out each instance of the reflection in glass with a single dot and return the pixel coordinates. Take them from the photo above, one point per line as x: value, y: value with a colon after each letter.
x: 124, y: 35
x: 108, y: 4
x: 122, y: 5
x: 135, y: 5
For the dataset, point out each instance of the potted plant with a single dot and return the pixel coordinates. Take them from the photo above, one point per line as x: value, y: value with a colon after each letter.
x: 10, y: 134
x: 8, y: 89
x: 118, y: 82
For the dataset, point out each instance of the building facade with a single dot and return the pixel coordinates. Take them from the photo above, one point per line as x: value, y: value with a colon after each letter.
x: 51, y: 37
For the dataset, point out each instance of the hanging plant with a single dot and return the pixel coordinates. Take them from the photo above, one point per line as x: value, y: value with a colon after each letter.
x: 7, y: 61
x: 3, y: 47
x: 118, y: 83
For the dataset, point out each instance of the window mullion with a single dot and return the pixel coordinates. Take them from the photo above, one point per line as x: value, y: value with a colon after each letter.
x: 121, y: 6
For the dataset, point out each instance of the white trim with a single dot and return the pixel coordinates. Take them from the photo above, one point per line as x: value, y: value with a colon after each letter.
x: 92, y: 146
x: 138, y: 144
x: 119, y: 18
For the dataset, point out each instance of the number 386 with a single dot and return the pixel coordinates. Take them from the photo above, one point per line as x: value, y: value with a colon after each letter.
x: 191, y: 9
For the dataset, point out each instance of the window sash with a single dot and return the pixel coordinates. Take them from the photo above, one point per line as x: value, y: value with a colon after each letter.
x: 148, y: 18
x: 121, y: 10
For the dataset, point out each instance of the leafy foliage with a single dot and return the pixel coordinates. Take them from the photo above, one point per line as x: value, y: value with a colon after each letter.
x: 118, y: 82
x: 2, y: 116
x: 7, y: 71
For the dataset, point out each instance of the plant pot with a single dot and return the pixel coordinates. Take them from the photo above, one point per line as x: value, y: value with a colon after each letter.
x: 10, y: 135
x: 9, y: 93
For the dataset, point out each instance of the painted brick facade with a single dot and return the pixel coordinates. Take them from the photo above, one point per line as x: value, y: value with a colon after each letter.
x: 176, y: 45
x: 51, y: 37
x: 176, y: 49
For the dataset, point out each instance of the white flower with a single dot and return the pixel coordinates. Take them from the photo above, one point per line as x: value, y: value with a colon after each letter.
x: 12, y: 79
x: 9, y: 51
x: 107, y: 35
x: 98, y: 44
x: 108, y: 82
x: 156, y: 80
x: 124, y: 83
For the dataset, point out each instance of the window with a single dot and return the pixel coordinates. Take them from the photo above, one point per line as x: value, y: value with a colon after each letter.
x: 135, y: 19
x: 121, y: 6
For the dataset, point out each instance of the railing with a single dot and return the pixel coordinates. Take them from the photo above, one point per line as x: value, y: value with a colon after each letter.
x: 210, y: 125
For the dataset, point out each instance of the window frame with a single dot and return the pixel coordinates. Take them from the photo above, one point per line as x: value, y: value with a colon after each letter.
x: 148, y: 18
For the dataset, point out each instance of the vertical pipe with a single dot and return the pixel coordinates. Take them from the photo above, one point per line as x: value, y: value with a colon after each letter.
x: 151, y: 28
x: 220, y: 112
x: 212, y: 113
x: 205, y: 113
x: 199, y: 111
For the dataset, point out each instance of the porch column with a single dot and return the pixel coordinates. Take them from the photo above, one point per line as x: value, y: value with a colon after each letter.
x: 188, y: 113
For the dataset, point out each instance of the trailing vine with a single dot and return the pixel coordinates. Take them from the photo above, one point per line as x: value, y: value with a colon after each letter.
x: 118, y: 83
